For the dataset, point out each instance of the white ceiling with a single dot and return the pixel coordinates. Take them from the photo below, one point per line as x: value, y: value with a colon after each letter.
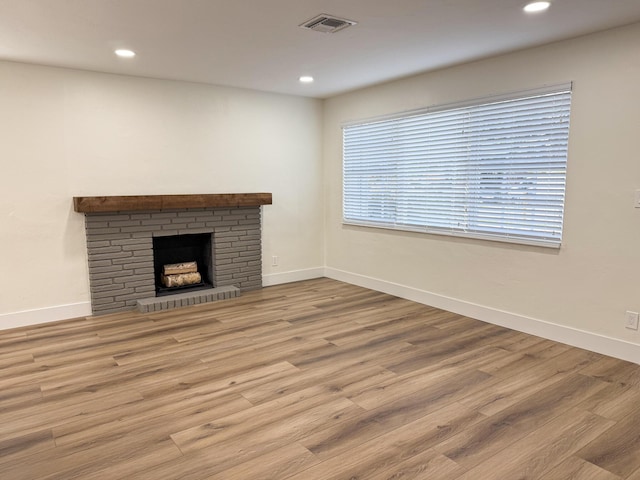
x: 257, y: 43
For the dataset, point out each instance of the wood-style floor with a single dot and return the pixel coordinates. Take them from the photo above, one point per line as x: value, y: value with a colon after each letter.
x: 314, y: 380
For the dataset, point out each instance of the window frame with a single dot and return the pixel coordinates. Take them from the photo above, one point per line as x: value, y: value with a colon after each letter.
x: 482, y: 101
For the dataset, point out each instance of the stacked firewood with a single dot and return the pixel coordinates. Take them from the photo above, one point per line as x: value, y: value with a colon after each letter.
x: 180, y: 274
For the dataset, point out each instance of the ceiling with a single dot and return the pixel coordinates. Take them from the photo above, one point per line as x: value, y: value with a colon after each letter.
x: 257, y: 44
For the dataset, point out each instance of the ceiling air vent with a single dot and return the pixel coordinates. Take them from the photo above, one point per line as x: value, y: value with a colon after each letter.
x: 327, y: 23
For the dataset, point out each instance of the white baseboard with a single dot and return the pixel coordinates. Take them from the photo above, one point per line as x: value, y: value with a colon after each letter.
x: 64, y: 312
x: 44, y: 315
x: 571, y: 336
x: 292, y: 276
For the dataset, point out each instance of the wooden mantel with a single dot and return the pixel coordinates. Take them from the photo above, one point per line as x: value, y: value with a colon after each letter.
x: 165, y: 202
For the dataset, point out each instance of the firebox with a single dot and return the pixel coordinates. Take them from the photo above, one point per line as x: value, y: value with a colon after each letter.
x: 191, y: 253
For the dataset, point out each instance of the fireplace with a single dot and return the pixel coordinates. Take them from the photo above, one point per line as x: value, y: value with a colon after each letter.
x: 183, y: 250
x: 130, y: 239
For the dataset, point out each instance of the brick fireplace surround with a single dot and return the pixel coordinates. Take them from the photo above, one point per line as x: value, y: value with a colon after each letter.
x: 119, y: 244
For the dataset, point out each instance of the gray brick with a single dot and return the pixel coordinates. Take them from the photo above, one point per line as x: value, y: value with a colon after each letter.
x: 250, y: 252
x: 227, y: 255
x: 179, y: 226
x: 191, y: 231
x: 133, y: 241
x: 105, y: 256
x: 140, y: 271
x: 124, y: 223
x: 222, y: 244
x: 141, y: 234
x: 140, y: 216
x: 203, y: 215
x: 109, y: 269
x: 142, y: 253
x: 233, y: 218
x: 250, y: 269
x: 98, y: 243
x: 146, y: 308
x: 248, y: 258
x: 149, y: 283
x: 95, y: 223
x: 105, y: 217
x: 128, y: 260
x: 235, y: 249
x: 246, y: 231
x: 110, y: 237
x: 246, y: 243
x: 100, y: 289
x: 249, y: 222
x: 95, y: 277
x: 156, y: 221
x: 99, y: 263
x: 105, y: 292
x: 129, y: 278
x: 103, y: 231
x: 132, y: 296
x: 223, y: 223
x: 164, y: 233
x: 138, y: 266
x: 138, y: 229
x: 109, y: 307
x: 165, y: 214
x: 184, y: 217
x: 227, y: 236
x: 252, y: 237
x: 102, y: 301
x: 109, y: 249
x: 146, y: 289
x: 100, y: 282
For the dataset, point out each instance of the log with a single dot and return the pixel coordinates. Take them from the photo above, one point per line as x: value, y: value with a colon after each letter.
x: 181, y: 279
x: 184, y: 267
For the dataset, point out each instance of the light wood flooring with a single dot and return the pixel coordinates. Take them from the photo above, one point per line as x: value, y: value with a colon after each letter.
x: 313, y: 380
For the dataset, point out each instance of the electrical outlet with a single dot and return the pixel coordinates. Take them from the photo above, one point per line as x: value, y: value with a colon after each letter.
x: 631, y: 320
x: 274, y: 261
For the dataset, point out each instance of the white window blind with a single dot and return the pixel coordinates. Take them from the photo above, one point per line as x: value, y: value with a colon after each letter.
x: 493, y: 168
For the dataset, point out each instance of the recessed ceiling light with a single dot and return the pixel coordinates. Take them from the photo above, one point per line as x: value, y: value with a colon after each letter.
x: 535, y: 7
x: 306, y: 79
x: 125, y: 53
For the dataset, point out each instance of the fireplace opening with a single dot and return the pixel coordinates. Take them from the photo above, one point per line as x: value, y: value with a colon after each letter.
x: 182, y: 263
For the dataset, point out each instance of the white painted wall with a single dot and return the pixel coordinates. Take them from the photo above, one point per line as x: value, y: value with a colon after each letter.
x: 586, y: 285
x: 65, y: 133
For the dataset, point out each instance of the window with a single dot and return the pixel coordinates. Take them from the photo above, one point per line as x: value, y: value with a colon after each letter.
x: 492, y: 169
